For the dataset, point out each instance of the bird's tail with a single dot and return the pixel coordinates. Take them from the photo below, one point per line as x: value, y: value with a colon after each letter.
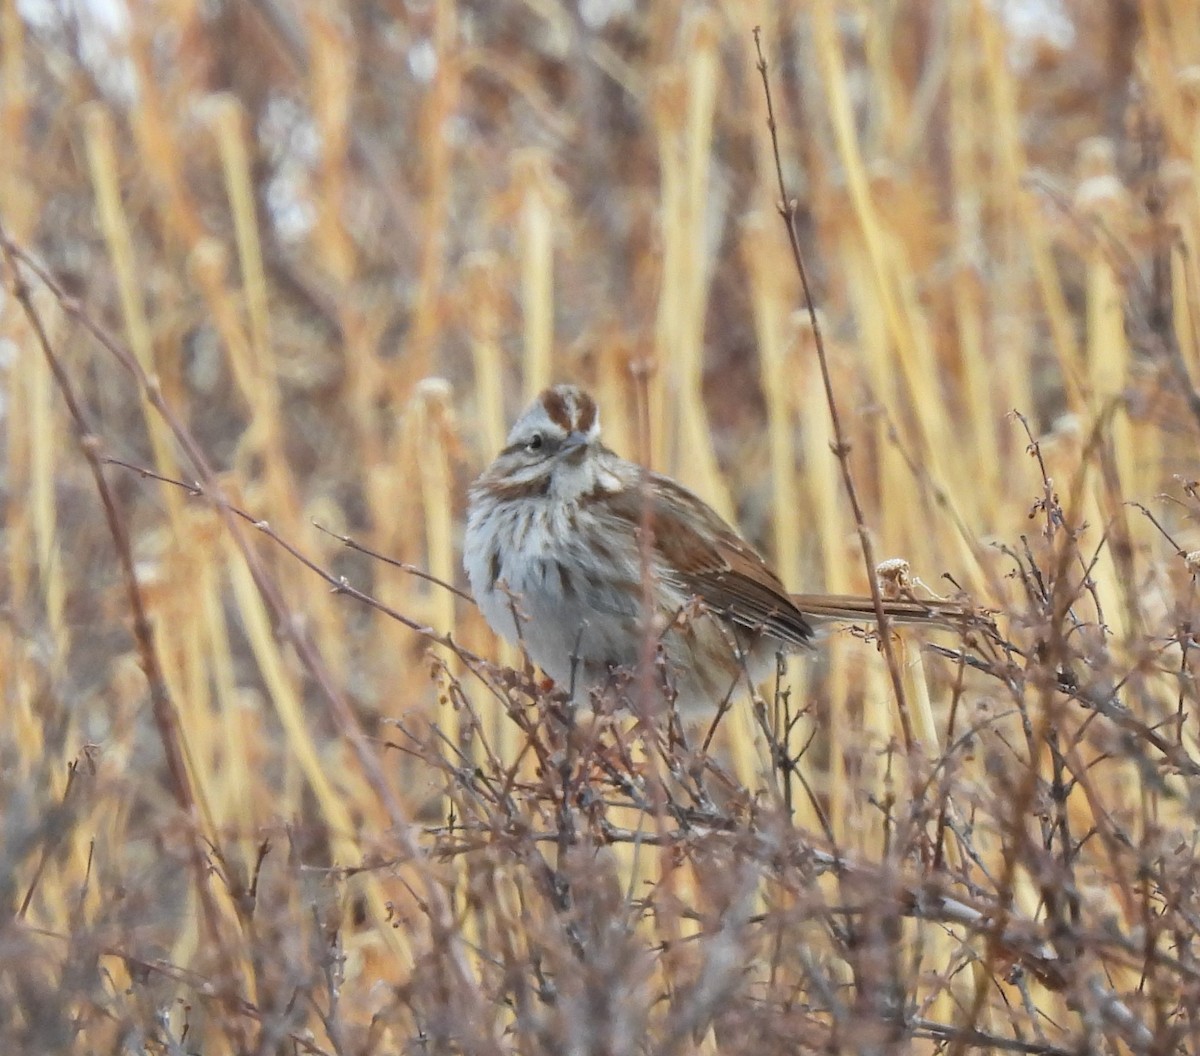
x: 850, y: 608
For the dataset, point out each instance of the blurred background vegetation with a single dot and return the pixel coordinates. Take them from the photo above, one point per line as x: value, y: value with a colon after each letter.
x: 347, y: 242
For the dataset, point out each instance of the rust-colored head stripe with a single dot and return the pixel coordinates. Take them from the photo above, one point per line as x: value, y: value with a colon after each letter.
x: 556, y: 408
x: 571, y: 409
x: 585, y: 413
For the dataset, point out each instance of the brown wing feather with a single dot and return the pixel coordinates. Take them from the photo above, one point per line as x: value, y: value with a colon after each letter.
x: 705, y: 557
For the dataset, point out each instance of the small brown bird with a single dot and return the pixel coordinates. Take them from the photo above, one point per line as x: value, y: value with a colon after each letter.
x: 558, y: 561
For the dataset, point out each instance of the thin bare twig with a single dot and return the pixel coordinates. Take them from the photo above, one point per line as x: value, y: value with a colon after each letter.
x: 841, y: 448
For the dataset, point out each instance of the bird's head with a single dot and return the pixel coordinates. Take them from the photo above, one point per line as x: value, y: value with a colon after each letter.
x: 554, y: 447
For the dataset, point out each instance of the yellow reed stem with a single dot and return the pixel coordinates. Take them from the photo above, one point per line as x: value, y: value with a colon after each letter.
x: 188, y: 941
x: 840, y: 805
x: 825, y: 523
x: 284, y: 697
x: 209, y: 267
x: 1183, y: 297
x: 827, y: 43
x: 703, y: 69
x: 44, y: 434
x: 773, y: 296
x: 616, y: 399
x: 250, y: 350
x: 772, y: 299
x: 895, y: 342
x: 948, y: 474
x: 302, y: 749
x: 1162, y: 59
x: 1185, y: 31
x: 826, y: 528
x: 330, y: 90
x: 938, y: 942
x: 57, y: 898
x: 260, y: 449
x: 676, y: 406
x: 966, y: 128
x: 536, y: 240
x: 19, y: 531
x: 1030, y: 224
x: 981, y: 456
x: 987, y: 307
x: 744, y: 742
x: 435, y: 436
x: 696, y: 459
x: 1107, y: 356
x: 438, y: 183
x: 639, y: 867
x: 16, y: 190
x: 481, y: 280
x: 252, y: 353
x: 229, y: 129
x: 159, y: 149
x: 235, y: 789
x: 102, y: 166
x: 924, y: 724
x: 18, y: 706
x: 662, y: 442
x: 884, y: 473
x: 12, y: 69
x: 176, y: 641
x: 880, y: 728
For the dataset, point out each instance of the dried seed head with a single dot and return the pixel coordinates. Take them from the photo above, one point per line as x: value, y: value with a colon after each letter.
x: 894, y: 578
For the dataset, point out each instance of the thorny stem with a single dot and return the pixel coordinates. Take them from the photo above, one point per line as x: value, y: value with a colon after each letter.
x: 841, y: 448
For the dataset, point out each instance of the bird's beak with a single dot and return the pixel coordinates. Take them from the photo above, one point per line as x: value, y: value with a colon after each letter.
x: 574, y: 447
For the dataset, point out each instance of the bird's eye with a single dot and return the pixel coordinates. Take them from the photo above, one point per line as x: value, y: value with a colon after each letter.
x: 535, y: 442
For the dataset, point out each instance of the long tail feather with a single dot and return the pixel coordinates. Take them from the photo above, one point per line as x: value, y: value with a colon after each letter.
x: 851, y: 608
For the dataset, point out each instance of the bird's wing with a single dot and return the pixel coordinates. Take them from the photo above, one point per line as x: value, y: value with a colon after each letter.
x: 697, y: 551
x: 705, y: 557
